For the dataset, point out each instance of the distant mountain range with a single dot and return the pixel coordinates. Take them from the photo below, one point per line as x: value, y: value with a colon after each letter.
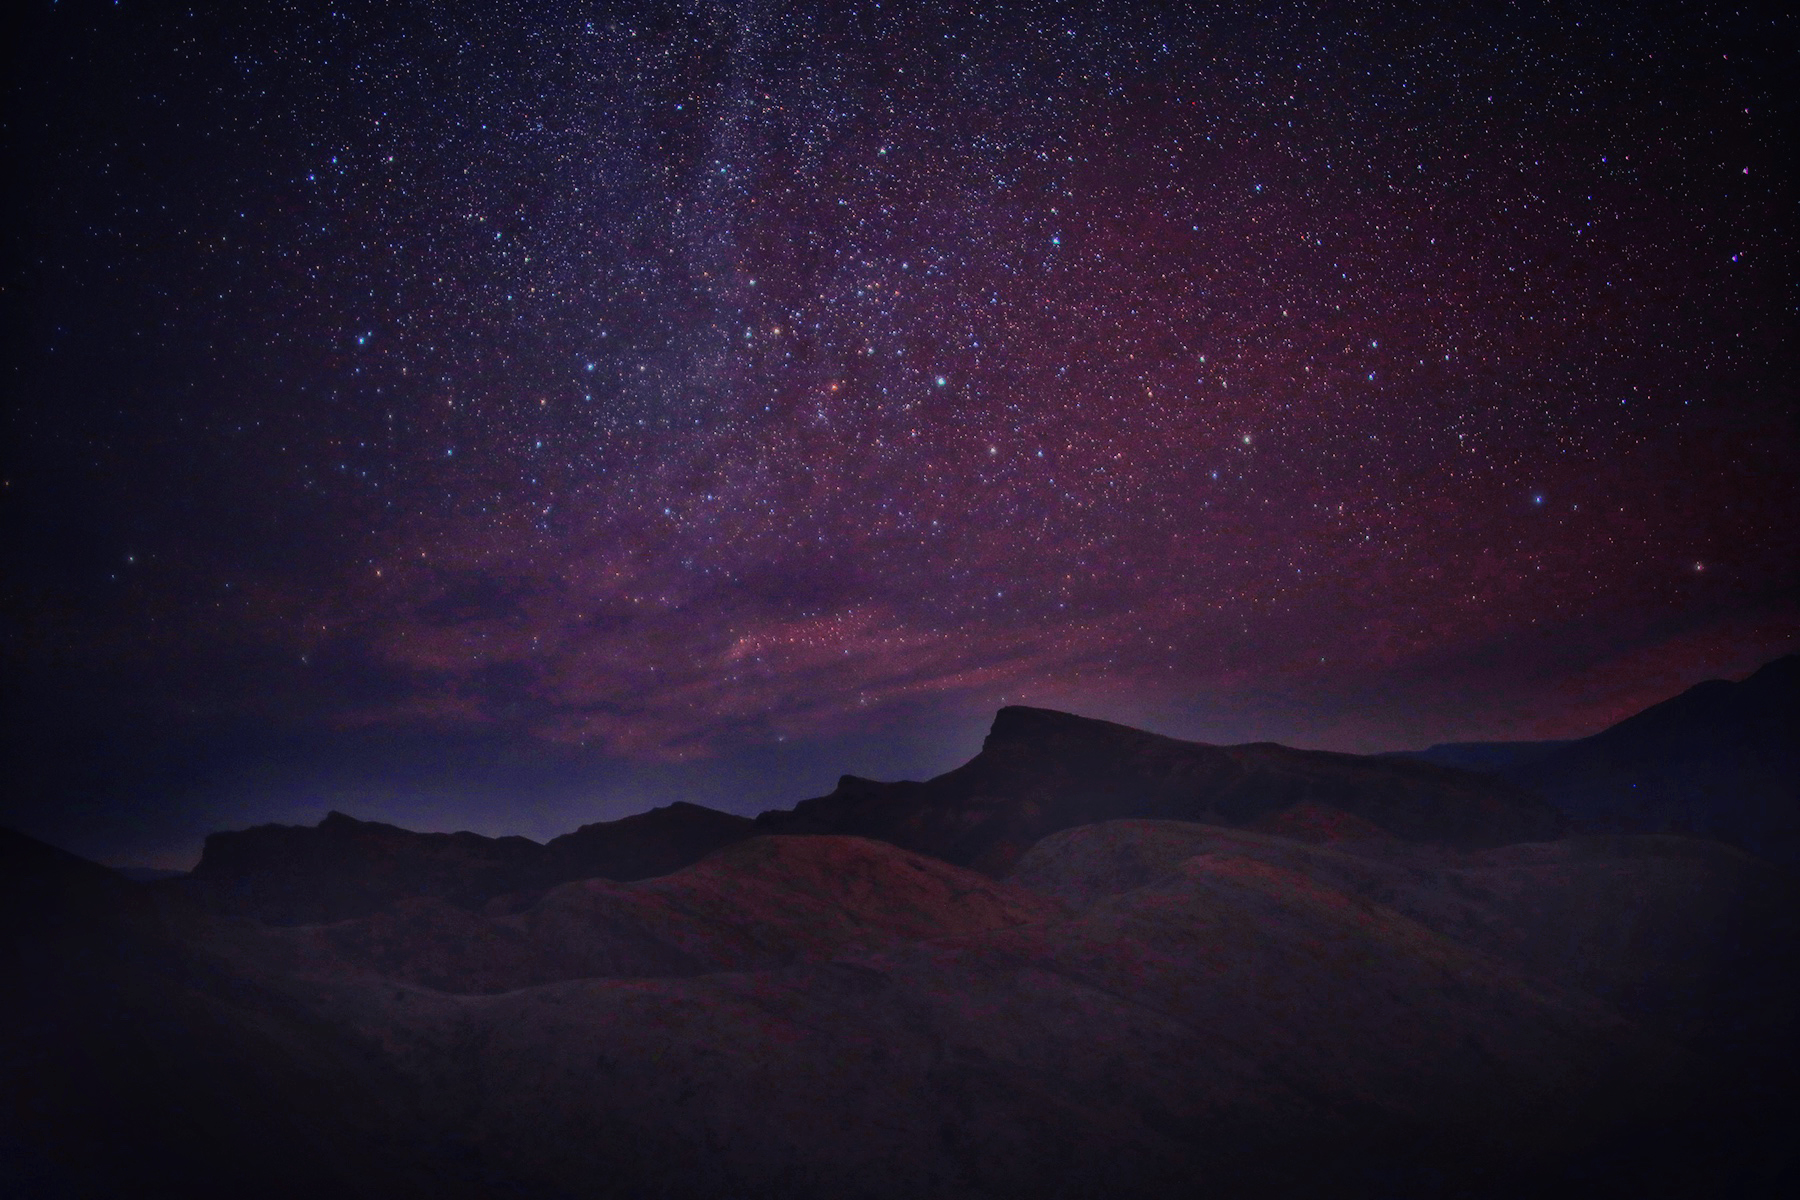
x: 1090, y: 961
x: 1038, y: 771
x: 1481, y: 756
x: 343, y: 867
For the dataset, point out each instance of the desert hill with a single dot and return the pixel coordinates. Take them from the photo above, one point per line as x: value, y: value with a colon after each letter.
x: 644, y: 845
x: 1720, y: 760
x: 1090, y: 961
x: 762, y: 903
x: 345, y: 867
x: 135, y: 1062
x: 1140, y: 1007
x: 1040, y: 771
x: 1184, y: 1003
x: 1659, y: 927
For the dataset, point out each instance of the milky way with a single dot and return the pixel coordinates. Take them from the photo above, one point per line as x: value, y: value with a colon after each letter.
x: 673, y: 379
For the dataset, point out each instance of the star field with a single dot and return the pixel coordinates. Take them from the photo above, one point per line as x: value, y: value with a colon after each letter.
x: 673, y: 379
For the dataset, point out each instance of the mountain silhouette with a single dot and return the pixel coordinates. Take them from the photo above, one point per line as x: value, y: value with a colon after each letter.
x: 1720, y: 760
x: 1089, y: 961
x: 1040, y: 771
x: 343, y: 867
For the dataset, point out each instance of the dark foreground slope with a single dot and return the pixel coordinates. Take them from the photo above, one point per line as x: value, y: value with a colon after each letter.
x: 131, y: 1064
x: 1143, y: 1008
x: 1184, y: 1009
x: 1693, y: 938
x: 1040, y: 771
x: 1721, y: 760
x: 1283, y: 973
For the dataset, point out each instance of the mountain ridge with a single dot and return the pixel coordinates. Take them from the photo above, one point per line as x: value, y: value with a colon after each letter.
x: 1042, y: 770
x: 1720, y: 759
x: 1356, y: 976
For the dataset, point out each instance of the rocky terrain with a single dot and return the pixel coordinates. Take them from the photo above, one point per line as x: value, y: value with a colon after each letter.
x: 138, y: 1058
x: 1092, y: 961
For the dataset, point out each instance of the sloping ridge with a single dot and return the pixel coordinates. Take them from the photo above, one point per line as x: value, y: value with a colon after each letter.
x: 1720, y: 760
x: 646, y: 844
x: 1040, y: 771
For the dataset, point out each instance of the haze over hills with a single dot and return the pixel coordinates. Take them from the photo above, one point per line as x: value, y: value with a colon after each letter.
x: 1090, y: 961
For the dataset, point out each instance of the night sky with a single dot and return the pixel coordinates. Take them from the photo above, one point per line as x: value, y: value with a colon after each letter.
x: 510, y: 415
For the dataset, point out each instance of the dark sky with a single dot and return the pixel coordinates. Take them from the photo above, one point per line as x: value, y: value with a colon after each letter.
x: 507, y: 415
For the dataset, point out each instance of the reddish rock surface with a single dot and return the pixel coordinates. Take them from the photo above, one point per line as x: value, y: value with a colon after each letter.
x: 1229, y: 1022
x: 1142, y: 1008
x: 1310, y: 822
x: 767, y: 902
x: 1678, y: 932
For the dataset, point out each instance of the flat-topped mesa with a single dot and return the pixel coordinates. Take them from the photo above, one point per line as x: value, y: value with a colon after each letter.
x: 1021, y: 722
x: 1040, y: 770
